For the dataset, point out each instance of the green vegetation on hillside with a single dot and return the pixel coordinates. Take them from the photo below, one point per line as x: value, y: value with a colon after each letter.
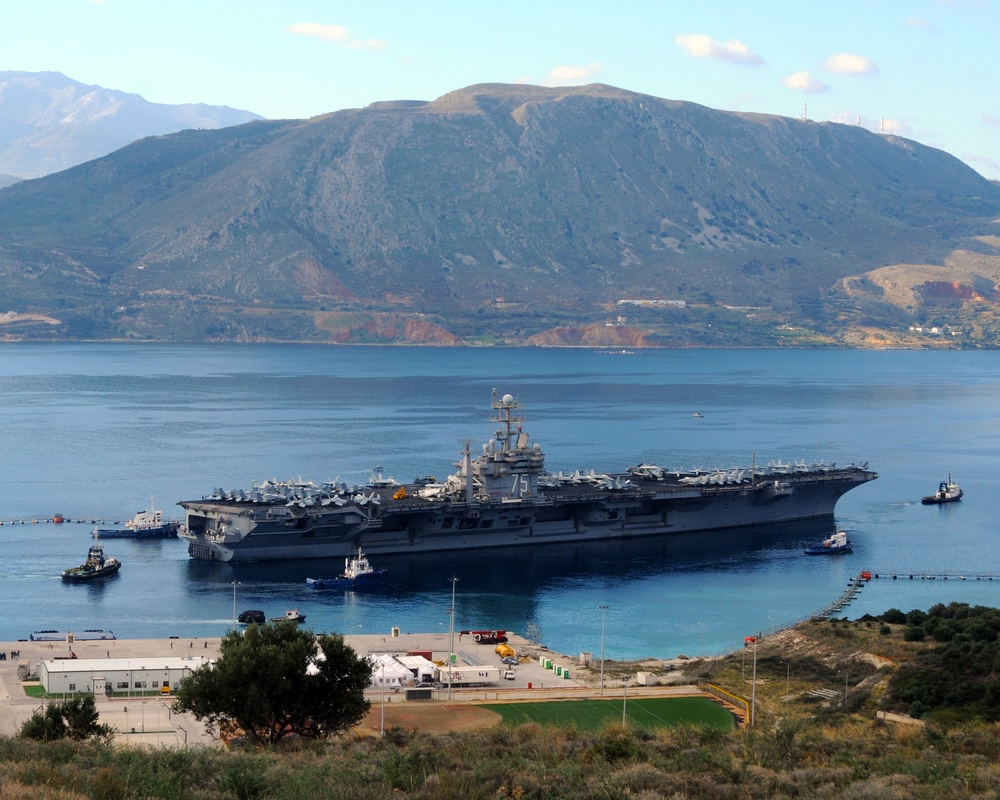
x: 957, y: 679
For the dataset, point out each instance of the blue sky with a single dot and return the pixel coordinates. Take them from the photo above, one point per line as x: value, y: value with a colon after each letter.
x: 924, y: 69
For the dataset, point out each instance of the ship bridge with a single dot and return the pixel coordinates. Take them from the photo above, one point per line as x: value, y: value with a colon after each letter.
x: 509, y: 466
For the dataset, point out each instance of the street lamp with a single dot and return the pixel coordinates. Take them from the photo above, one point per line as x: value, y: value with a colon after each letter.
x: 753, y: 695
x: 235, y: 584
x: 451, y: 629
x: 788, y: 676
x: 382, y: 727
x: 604, y: 611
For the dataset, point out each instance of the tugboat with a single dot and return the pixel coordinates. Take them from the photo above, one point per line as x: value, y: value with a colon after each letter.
x: 357, y: 574
x: 146, y: 524
x: 838, y: 543
x: 292, y: 614
x: 948, y: 492
x: 98, y: 565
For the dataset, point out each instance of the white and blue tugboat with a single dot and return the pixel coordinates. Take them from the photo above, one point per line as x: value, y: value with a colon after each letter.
x: 831, y: 546
x: 358, y: 574
x: 146, y: 524
x: 948, y: 492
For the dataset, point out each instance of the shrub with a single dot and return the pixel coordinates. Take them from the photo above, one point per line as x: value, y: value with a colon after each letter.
x: 914, y: 634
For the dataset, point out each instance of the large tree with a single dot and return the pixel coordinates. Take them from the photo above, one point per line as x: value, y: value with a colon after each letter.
x: 275, y: 679
x: 75, y: 718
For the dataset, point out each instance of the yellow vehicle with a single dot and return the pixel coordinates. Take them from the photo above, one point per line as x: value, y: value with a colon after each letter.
x: 504, y: 650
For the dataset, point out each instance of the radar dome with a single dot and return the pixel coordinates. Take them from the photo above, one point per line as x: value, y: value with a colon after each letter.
x: 508, y: 399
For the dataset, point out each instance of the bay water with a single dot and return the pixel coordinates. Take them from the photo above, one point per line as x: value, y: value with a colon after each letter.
x: 92, y: 431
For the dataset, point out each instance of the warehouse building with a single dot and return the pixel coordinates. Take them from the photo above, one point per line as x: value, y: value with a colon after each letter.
x: 116, y: 677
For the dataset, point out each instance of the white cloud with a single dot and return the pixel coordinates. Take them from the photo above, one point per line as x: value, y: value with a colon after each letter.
x: 701, y: 46
x: 991, y: 121
x: 849, y: 64
x: 337, y: 33
x: 367, y: 44
x: 568, y: 74
x: 334, y: 33
x: 804, y: 82
x: 916, y: 22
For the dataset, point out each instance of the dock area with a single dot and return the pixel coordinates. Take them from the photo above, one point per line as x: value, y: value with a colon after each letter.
x: 149, y: 720
x: 854, y: 588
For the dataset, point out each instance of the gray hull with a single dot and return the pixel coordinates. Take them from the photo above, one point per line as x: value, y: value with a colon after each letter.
x: 251, y: 533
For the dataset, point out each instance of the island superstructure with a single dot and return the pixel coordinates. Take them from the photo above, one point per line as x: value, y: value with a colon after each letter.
x: 504, y: 497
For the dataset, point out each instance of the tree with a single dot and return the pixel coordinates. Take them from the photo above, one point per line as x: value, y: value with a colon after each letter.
x: 275, y: 679
x: 75, y: 718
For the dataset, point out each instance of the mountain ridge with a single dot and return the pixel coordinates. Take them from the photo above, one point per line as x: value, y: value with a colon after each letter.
x: 49, y: 122
x: 496, y: 213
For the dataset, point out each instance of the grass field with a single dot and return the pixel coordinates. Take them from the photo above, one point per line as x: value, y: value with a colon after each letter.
x: 592, y: 715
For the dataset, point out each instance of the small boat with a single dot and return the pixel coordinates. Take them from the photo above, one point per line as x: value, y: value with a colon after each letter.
x: 292, y: 614
x: 98, y: 565
x: 838, y: 543
x: 697, y: 414
x: 251, y: 615
x: 60, y: 636
x: 146, y: 524
x: 358, y: 573
x: 948, y: 492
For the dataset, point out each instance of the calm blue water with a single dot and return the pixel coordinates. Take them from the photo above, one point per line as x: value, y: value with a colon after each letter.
x: 91, y: 431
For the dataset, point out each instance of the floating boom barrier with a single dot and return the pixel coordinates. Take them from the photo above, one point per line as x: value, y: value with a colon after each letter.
x: 858, y: 582
x: 853, y: 589
x: 59, y: 519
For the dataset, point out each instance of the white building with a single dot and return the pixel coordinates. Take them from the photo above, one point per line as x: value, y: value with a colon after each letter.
x: 117, y: 676
x: 388, y: 673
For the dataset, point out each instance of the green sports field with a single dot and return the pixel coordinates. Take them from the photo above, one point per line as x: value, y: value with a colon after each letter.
x: 589, y: 715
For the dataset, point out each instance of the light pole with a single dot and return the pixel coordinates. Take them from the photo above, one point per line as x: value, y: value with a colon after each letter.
x: 624, y: 698
x: 382, y: 726
x: 604, y: 611
x: 235, y: 584
x: 451, y: 630
x: 788, y: 676
x: 753, y: 695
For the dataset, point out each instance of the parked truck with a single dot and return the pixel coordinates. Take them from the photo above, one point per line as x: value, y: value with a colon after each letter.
x: 504, y: 650
x: 485, y: 637
x: 467, y: 676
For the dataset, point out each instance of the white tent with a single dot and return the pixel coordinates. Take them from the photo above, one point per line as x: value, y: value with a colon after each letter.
x: 419, y: 667
x: 388, y: 673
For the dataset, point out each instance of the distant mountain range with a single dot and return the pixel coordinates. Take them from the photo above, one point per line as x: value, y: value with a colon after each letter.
x: 588, y: 216
x: 49, y: 122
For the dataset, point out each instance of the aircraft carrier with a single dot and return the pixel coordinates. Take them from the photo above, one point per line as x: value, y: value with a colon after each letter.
x: 503, y: 496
